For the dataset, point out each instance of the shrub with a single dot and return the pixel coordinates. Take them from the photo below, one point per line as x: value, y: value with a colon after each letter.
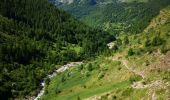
x: 68, y: 74
x: 127, y: 92
x: 115, y: 47
x: 130, y: 52
x: 104, y: 97
x: 101, y: 75
x: 147, y: 63
x: 87, y: 74
x: 164, y: 49
x: 147, y: 42
x: 78, y: 98
x: 80, y: 67
x: 117, y: 62
x: 135, y: 78
x: 47, y: 81
x: 126, y: 40
x: 63, y: 78
x: 138, y: 51
x: 119, y: 42
x: 57, y: 90
x: 156, y: 41
x: 84, y: 86
x: 119, y: 68
x: 46, y: 91
x: 89, y: 67
x: 114, y: 97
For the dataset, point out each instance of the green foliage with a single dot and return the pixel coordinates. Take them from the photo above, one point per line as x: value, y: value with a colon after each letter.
x: 89, y: 67
x: 119, y: 42
x: 126, y: 40
x: 63, y: 78
x: 78, y: 98
x: 47, y: 81
x: 34, y: 36
x: 147, y: 42
x: 127, y: 92
x: 115, y: 47
x: 164, y: 49
x: 87, y: 74
x: 114, y: 17
x: 156, y: 41
x: 80, y: 67
x: 57, y: 90
x: 101, y: 75
x: 130, y: 52
x: 135, y: 78
x: 114, y: 97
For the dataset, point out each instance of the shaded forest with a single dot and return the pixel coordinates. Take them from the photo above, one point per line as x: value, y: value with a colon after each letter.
x: 35, y: 37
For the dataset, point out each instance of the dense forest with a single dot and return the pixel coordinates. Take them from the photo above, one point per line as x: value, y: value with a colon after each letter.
x: 35, y: 37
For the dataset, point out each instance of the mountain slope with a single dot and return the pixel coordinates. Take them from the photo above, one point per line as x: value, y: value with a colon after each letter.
x: 116, y: 16
x: 138, y: 68
x: 35, y: 37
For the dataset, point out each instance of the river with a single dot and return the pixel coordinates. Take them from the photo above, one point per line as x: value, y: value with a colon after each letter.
x: 60, y: 70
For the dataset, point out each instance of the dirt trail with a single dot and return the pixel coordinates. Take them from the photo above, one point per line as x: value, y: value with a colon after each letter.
x: 139, y: 84
x: 135, y: 85
x: 153, y: 96
x: 126, y: 64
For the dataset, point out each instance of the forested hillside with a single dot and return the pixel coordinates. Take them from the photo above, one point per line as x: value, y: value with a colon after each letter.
x: 115, y: 16
x: 35, y: 37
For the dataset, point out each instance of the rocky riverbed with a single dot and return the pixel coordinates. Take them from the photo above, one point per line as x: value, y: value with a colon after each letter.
x: 60, y: 70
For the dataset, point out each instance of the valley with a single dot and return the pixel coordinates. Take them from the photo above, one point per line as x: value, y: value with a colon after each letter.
x: 115, y: 16
x: 85, y: 50
x: 136, y: 69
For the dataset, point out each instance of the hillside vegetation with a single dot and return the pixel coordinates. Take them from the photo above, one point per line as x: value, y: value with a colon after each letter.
x: 116, y: 16
x: 138, y: 68
x: 35, y: 37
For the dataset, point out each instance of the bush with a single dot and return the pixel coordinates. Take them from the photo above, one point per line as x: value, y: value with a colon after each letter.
x: 80, y: 67
x: 147, y: 63
x: 78, y: 98
x: 57, y: 90
x: 119, y: 68
x: 47, y: 81
x: 117, y: 62
x: 104, y: 97
x: 46, y: 91
x: 164, y: 49
x: 156, y: 41
x: 127, y: 92
x: 63, y: 78
x: 114, y: 97
x: 119, y: 42
x: 130, y: 52
x: 126, y: 40
x: 101, y: 75
x: 135, y: 78
x: 115, y: 47
x: 147, y: 42
x: 87, y: 74
x: 89, y: 67
x: 138, y: 51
